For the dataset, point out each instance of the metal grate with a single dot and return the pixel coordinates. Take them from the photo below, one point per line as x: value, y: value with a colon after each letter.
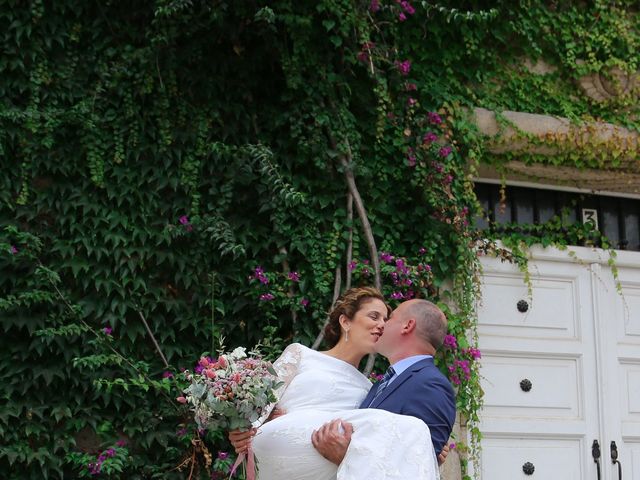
x: 617, y: 218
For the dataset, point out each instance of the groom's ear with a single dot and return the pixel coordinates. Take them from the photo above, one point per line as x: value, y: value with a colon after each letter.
x: 409, y: 326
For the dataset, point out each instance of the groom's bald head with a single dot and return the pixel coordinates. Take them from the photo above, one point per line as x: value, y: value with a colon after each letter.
x: 431, y: 323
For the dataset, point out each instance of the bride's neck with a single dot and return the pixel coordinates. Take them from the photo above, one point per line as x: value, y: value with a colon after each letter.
x: 346, y: 353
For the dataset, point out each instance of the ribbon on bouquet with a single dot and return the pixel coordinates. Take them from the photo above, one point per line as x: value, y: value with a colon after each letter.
x: 250, y: 463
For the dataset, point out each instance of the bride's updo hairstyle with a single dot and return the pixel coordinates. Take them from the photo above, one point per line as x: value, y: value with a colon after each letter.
x: 348, y: 304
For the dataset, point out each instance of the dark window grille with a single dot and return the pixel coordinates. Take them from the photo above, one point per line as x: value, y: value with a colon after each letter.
x: 618, y: 218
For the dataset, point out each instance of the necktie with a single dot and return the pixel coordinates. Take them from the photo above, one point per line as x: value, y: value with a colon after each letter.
x: 383, y: 384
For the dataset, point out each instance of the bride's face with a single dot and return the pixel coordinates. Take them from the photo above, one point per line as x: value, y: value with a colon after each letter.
x: 367, y: 325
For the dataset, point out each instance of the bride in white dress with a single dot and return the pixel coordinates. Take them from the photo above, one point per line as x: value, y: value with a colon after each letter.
x: 322, y: 386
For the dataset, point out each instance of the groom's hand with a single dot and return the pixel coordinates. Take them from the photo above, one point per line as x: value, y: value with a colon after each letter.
x: 332, y: 440
x: 241, y: 440
x: 443, y: 455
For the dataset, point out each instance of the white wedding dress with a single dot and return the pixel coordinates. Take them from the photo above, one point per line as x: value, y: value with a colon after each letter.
x: 319, y: 388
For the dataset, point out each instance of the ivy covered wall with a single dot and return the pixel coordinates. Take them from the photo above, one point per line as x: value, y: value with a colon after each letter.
x: 197, y: 167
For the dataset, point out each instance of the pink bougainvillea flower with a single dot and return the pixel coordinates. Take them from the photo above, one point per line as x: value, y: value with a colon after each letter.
x: 410, y: 87
x: 167, y: 374
x: 107, y: 330
x: 434, y: 118
x: 407, y: 7
x: 294, y: 276
x: 13, y: 250
x: 184, y: 220
x: 411, y: 101
x: 181, y: 400
x: 411, y: 160
x: 402, y: 17
x: 404, y: 67
x: 450, y: 341
x: 374, y: 6
x: 223, y: 455
x: 445, y: 151
x: 304, y: 302
x: 267, y: 297
x: 121, y: 443
x: 429, y: 138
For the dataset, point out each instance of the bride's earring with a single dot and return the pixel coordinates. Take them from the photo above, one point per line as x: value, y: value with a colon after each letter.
x: 346, y: 335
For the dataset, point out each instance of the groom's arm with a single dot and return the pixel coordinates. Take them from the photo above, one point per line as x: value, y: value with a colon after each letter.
x: 332, y: 440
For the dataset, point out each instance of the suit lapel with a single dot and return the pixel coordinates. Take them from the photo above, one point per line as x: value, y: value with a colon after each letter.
x: 406, y: 375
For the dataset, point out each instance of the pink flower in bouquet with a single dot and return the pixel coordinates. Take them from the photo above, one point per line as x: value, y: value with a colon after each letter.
x: 181, y: 400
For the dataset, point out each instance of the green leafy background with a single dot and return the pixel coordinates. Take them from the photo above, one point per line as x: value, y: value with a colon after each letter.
x: 118, y: 119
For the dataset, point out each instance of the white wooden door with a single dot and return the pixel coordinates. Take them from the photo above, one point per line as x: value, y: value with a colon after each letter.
x: 620, y: 326
x: 561, y: 368
x: 540, y: 374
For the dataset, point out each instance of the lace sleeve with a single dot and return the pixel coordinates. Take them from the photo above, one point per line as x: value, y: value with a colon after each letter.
x: 286, y: 367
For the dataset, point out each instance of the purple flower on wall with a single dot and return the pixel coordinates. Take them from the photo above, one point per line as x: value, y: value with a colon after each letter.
x: 184, y: 220
x: 404, y: 67
x: 450, y: 341
x: 266, y: 297
x: 444, y: 151
x: 407, y: 7
x: 304, y: 302
x: 429, y: 138
x: 293, y: 276
x: 107, y: 330
x: 386, y: 257
x: 13, y: 250
x: 434, y: 118
x: 374, y: 6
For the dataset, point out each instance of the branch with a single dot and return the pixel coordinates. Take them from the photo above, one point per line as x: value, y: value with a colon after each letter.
x: 153, y: 338
x: 336, y: 293
x: 101, y: 340
x: 350, y: 244
x: 346, y: 162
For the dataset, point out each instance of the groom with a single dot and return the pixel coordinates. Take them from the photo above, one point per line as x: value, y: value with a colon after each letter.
x: 413, y: 385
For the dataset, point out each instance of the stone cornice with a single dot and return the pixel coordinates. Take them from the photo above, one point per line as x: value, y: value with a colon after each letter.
x: 532, y: 133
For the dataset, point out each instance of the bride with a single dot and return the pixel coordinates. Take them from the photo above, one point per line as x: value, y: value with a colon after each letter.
x: 321, y: 386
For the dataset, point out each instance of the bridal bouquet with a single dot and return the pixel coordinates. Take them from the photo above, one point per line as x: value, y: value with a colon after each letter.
x: 231, y: 392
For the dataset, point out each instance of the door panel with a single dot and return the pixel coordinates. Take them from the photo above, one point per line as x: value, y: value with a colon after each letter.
x: 550, y: 458
x: 528, y: 386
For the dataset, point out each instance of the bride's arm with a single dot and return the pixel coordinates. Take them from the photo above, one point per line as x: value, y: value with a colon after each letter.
x: 286, y: 367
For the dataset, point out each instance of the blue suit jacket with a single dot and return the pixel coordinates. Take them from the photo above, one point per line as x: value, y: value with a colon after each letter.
x: 421, y: 391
